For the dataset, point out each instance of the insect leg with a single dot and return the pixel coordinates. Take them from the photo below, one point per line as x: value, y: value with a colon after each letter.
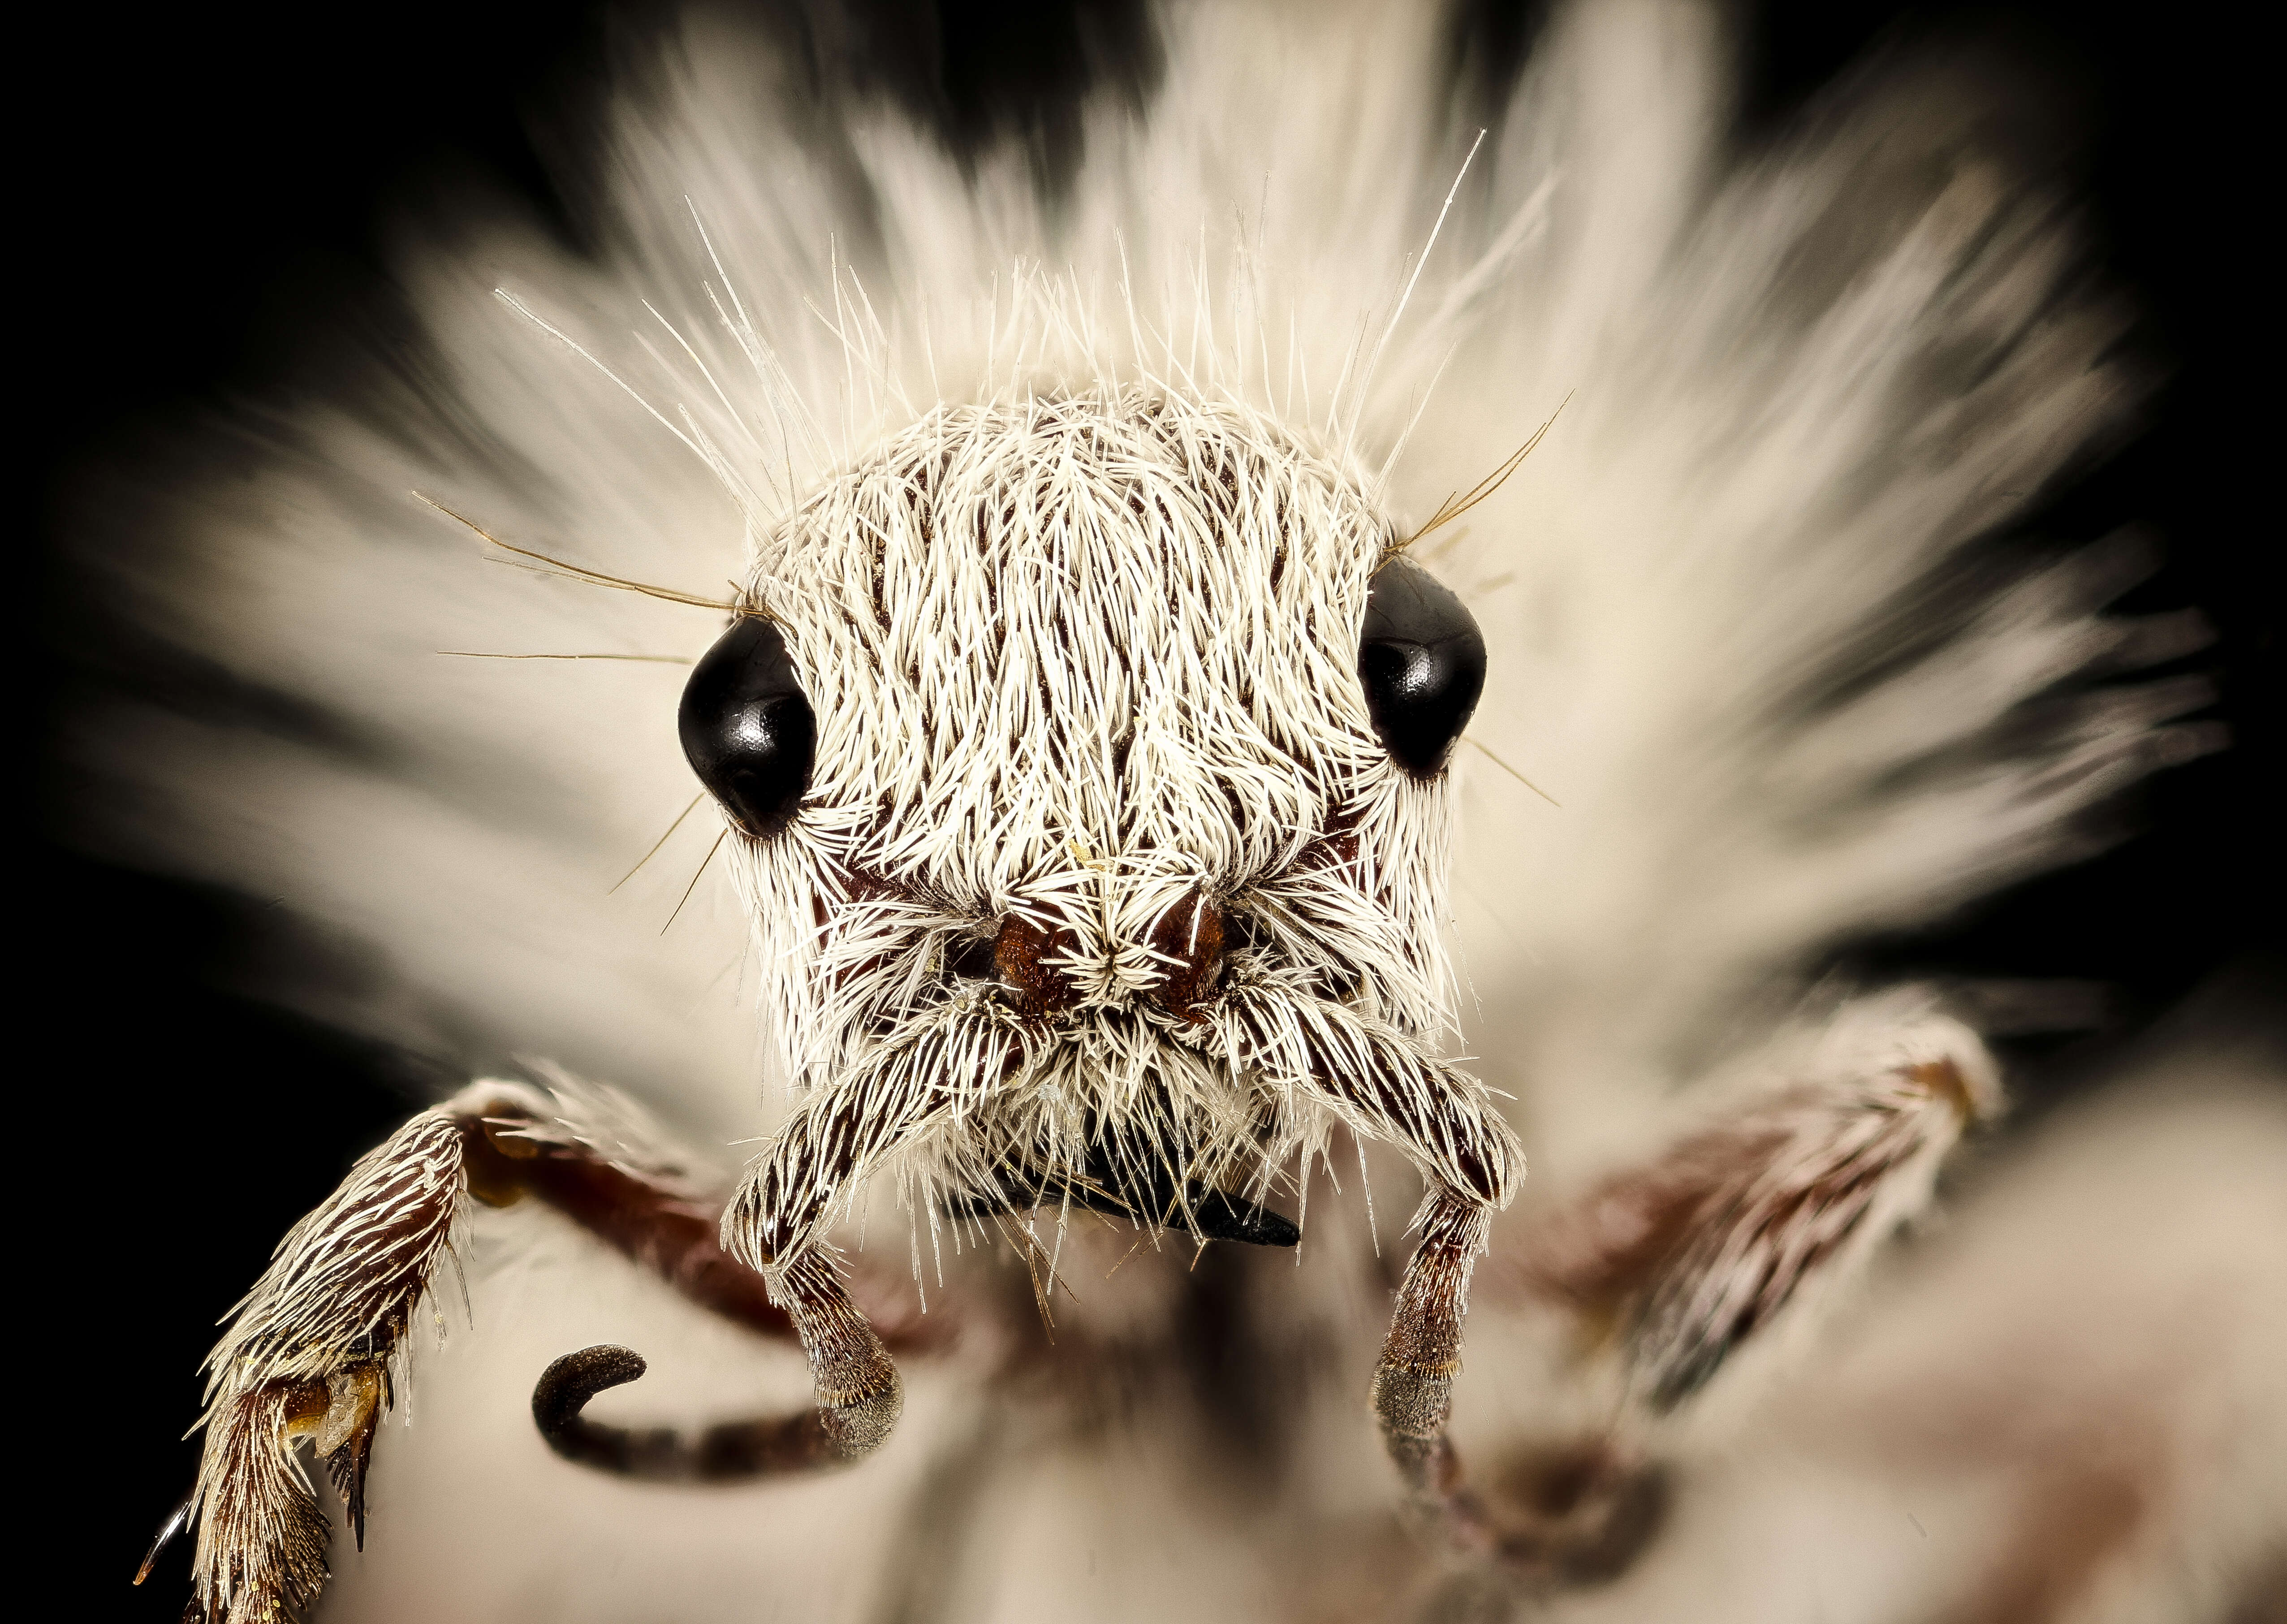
x: 822, y: 1154
x: 1763, y: 1209
x: 1382, y: 1086
x: 307, y: 1356
x: 310, y: 1353
x: 696, y: 1246
x: 1412, y: 1392
x: 858, y: 1399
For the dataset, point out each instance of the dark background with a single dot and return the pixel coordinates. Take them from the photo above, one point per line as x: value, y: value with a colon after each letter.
x: 205, y: 187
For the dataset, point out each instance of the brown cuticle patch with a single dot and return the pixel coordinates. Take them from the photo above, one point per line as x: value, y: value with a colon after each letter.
x: 1189, y: 934
x: 1021, y: 953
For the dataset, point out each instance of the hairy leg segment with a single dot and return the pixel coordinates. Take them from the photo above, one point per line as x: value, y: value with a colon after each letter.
x: 858, y: 1399
x: 1382, y: 1088
x: 311, y: 1354
x: 1445, y: 1121
x: 1412, y: 1392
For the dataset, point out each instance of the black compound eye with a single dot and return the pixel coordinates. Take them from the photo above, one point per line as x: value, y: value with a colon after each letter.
x: 747, y: 729
x: 1421, y: 661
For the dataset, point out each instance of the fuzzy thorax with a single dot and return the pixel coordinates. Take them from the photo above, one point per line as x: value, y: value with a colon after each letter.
x: 1102, y: 875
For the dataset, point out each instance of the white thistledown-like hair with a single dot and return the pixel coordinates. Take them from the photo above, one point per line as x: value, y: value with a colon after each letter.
x: 1801, y: 386
x: 1088, y: 658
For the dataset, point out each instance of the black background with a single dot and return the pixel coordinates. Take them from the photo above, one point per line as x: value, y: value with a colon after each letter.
x: 197, y: 195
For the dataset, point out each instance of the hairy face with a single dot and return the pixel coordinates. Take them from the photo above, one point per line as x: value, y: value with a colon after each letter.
x: 1096, y: 788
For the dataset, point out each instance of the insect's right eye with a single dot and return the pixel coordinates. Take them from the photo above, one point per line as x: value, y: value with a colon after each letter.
x: 746, y: 730
x: 1422, y: 661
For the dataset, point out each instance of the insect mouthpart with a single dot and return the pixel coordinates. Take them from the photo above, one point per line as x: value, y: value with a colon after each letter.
x: 1032, y: 964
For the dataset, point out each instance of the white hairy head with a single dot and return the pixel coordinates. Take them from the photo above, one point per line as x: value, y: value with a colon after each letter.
x: 1084, y: 669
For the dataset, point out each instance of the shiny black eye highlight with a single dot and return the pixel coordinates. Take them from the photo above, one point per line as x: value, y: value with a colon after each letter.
x: 746, y: 730
x: 1421, y: 661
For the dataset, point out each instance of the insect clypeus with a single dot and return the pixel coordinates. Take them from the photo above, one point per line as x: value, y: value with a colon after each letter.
x: 1081, y: 726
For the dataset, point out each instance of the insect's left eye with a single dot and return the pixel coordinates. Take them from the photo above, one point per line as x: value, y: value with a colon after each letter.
x: 747, y: 729
x: 1422, y: 661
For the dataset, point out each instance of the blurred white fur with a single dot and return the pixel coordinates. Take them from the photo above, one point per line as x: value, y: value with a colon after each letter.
x: 1798, y: 385
x: 1801, y: 381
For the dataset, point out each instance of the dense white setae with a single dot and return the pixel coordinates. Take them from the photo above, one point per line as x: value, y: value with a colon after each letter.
x: 1067, y: 509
